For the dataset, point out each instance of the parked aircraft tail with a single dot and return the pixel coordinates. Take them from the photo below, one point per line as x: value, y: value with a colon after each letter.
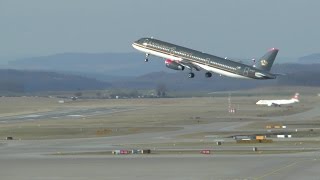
x: 266, y: 61
x: 296, y: 97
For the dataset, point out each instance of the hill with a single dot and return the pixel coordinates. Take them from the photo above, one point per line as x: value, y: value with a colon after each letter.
x: 71, y: 71
x: 103, y: 66
x: 310, y: 59
x: 18, y: 81
x: 26, y: 81
x: 178, y: 81
x: 110, y: 64
x: 295, y: 74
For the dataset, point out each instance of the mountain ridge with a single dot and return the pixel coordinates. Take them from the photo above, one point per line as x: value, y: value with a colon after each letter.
x: 111, y: 64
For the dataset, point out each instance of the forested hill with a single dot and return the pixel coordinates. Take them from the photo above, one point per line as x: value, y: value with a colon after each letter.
x: 21, y: 81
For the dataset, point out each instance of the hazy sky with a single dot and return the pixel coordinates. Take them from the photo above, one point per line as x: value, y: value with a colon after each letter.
x: 234, y: 28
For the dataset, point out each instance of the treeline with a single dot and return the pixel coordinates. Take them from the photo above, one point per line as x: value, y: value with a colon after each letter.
x: 10, y: 86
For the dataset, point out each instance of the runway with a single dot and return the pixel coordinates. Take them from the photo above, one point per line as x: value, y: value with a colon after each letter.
x: 63, y: 112
x: 193, y: 167
x: 34, y: 160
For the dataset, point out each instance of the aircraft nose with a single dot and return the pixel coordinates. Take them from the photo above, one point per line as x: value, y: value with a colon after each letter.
x: 134, y: 44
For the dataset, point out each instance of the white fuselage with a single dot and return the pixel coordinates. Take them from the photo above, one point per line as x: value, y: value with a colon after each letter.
x: 277, y: 102
x: 222, y: 72
x: 155, y: 53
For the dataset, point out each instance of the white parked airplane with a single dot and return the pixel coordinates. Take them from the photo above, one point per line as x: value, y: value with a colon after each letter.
x: 279, y: 102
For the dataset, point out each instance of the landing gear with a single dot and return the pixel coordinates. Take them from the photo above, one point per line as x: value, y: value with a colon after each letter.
x: 146, y: 59
x: 208, y: 74
x: 191, y: 75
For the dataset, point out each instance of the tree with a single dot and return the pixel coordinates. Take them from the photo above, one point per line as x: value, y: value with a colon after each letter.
x: 133, y: 93
x: 78, y: 94
x: 161, y: 90
x: 98, y: 94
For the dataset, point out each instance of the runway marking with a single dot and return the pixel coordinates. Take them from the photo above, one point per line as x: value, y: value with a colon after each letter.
x: 75, y: 115
x: 277, y: 170
x: 31, y: 116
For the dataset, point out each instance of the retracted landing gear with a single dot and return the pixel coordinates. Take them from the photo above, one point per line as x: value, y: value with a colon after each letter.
x: 146, y: 59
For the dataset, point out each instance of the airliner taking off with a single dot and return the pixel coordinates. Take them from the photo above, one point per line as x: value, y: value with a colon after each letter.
x: 294, y: 99
x: 180, y: 58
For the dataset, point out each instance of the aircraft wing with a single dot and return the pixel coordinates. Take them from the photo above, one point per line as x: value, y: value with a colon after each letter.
x: 268, y: 103
x: 275, y: 104
x: 277, y: 74
x: 189, y: 65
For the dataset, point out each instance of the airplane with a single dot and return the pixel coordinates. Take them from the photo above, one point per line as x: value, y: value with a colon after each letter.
x: 278, y: 103
x: 179, y: 58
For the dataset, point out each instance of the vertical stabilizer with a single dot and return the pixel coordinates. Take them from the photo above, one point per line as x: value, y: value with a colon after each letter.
x: 265, y: 62
x: 296, y: 97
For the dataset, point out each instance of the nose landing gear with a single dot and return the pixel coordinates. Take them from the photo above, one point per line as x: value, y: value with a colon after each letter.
x: 146, y: 59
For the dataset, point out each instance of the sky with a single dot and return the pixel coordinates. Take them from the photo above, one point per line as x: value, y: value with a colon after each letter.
x: 233, y: 28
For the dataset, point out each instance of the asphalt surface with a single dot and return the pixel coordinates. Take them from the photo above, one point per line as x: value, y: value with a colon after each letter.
x: 61, y: 113
x: 286, y: 167
x: 42, y: 159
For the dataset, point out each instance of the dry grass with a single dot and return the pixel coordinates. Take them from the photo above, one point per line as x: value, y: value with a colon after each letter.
x: 152, y: 115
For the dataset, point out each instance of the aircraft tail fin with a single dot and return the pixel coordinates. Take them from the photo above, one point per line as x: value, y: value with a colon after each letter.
x: 266, y: 61
x: 296, y: 97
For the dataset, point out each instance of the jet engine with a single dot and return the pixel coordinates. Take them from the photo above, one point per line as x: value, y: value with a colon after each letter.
x: 174, y: 65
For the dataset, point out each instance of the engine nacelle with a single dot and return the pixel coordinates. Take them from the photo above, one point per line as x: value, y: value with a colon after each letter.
x: 174, y: 65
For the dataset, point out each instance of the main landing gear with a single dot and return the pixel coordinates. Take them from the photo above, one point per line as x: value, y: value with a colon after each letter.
x: 191, y: 75
x: 146, y: 59
x: 208, y: 74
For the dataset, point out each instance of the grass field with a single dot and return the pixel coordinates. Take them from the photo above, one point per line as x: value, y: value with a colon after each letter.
x: 149, y: 115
